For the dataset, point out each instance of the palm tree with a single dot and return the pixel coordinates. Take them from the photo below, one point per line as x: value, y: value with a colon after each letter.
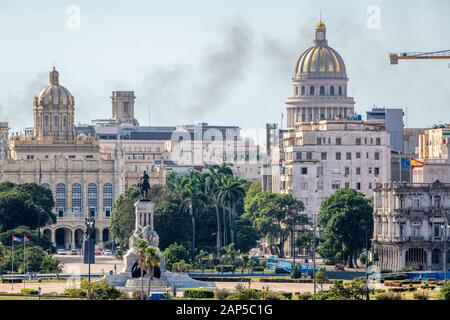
x: 141, y: 246
x: 193, y: 202
x: 212, y: 188
x: 202, y: 257
x: 151, y: 261
x: 231, y: 193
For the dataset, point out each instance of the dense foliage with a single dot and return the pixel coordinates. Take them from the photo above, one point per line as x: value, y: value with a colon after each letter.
x: 343, y: 218
x: 26, y: 205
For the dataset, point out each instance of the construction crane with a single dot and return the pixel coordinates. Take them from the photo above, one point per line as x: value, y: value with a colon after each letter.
x: 394, y: 57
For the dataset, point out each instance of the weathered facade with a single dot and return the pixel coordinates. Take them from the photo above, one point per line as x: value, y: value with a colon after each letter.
x: 411, y: 225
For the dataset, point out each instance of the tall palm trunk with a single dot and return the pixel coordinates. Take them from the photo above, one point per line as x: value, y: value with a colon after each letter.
x: 230, y: 218
x: 142, y: 283
x: 150, y: 273
x: 224, y: 221
x: 193, y: 239
x: 233, y: 214
x: 218, y: 236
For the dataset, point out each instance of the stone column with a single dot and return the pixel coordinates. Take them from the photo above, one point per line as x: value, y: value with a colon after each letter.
x: 52, y: 236
x: 73, y: 240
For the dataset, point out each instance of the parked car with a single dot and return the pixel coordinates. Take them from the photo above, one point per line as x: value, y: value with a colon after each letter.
x: 280, y: 270
x: 107, y: 252
x: 272, y: 259
x: 61, y: 252
x: 98, y: 252
x: 339, y: 267
x: 74, y: 252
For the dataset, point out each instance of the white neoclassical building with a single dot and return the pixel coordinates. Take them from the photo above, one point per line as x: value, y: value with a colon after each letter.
x: 411, y: 225
x: 83, y: 181
x: 326, y: 145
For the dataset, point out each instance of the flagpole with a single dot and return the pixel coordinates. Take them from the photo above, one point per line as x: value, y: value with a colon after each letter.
x: 24, y: 259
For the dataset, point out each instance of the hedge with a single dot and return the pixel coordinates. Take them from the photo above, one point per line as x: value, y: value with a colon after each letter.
x: 28, y: 291
x: 225, y: 268
x: 198, y: 293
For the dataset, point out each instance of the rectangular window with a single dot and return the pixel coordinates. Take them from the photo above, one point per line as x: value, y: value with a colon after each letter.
x: 309, y: 155
x: 304, y: 170
x: 358, y: 141
x: 349, y: 156
x: 378, y: 141
x: 298, y: 155
x: 304, y: 185
x: 370, y: 170
x: 338, y: 141
x: 338, y: 156
x: 335, y: 184
x: 358, y: 186
x: 376, y: 171
x: 347, y: 171
x: 319, y: 141
x: 347, y: 184
x: 358, y: 171
x: 377, y: 156
x: 358, y: 155
x: 370, y: 185
x: 323, y: 156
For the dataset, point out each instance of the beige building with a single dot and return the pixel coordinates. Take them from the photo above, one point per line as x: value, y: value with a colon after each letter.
x: 434, y: 152
x: 83, y: 181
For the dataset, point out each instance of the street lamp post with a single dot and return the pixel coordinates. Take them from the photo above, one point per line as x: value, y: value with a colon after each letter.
x: 314, y: 253
x: 365, y: 228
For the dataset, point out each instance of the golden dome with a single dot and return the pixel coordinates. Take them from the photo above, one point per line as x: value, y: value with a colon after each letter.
x: 320, y: 25
x: 320, y: 61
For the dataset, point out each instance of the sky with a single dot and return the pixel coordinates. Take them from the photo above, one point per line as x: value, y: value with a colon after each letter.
x: 222, y: 62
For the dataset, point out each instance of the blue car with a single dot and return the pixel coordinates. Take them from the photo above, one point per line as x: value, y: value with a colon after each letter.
x: 272, y: 259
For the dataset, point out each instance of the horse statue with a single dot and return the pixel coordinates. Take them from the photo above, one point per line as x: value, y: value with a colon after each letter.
x: 144, y: 185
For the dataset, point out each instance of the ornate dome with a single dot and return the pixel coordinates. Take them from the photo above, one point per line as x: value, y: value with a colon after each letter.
x: 54, y: 94
x: 320, y: 61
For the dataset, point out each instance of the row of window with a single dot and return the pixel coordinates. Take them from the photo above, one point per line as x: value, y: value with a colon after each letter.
x: 332, y: 91
x: 53, y: 125
x: 358, y: 141
x: 77, y: 198
x: 371, y: 170
x: 71, y: 156
x: 308, y: 155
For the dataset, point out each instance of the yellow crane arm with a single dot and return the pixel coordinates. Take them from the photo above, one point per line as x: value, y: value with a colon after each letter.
x: 394, y: 57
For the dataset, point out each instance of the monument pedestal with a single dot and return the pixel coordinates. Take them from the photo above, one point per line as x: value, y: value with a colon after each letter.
x: 144, y: 229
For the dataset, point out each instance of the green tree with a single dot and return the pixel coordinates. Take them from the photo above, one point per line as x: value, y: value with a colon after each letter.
x: 193, y: 201
x: 25, y: 205
x: 246, y: 234
x: 50, y: 264
x: 276, y: 215
x: 321, y: 277
x: 444, y: 292
x: 231, y: 194
x: 151, y: 261
x: 202, y: 259
x: 123, y: 216
x: 340, y: 218
x: 141, y: 246
x: 21, y: 231
x: 175, y: 253
x: 305, y: 240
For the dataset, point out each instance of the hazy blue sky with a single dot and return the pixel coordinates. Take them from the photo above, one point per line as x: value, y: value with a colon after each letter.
x: 227, y: 62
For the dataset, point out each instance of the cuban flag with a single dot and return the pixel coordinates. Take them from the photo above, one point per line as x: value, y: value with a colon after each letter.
x: 25, y: 238
x: 16, y: 239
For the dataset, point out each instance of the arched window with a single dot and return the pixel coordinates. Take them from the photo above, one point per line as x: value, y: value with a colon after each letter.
x: 303, y: 90
x: 322, y: 90
x: 55, y: 123
x: 92, y: 199
x: 437, y: 202
x: 77, y: 198
x: 65, y: 122
x: 61, y: 199
x: 46, y: 186
x: 332, y: 91
x: 340, y: 90
x: 46, y: 123
x: 107, y: 198
x: 311, y: 91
